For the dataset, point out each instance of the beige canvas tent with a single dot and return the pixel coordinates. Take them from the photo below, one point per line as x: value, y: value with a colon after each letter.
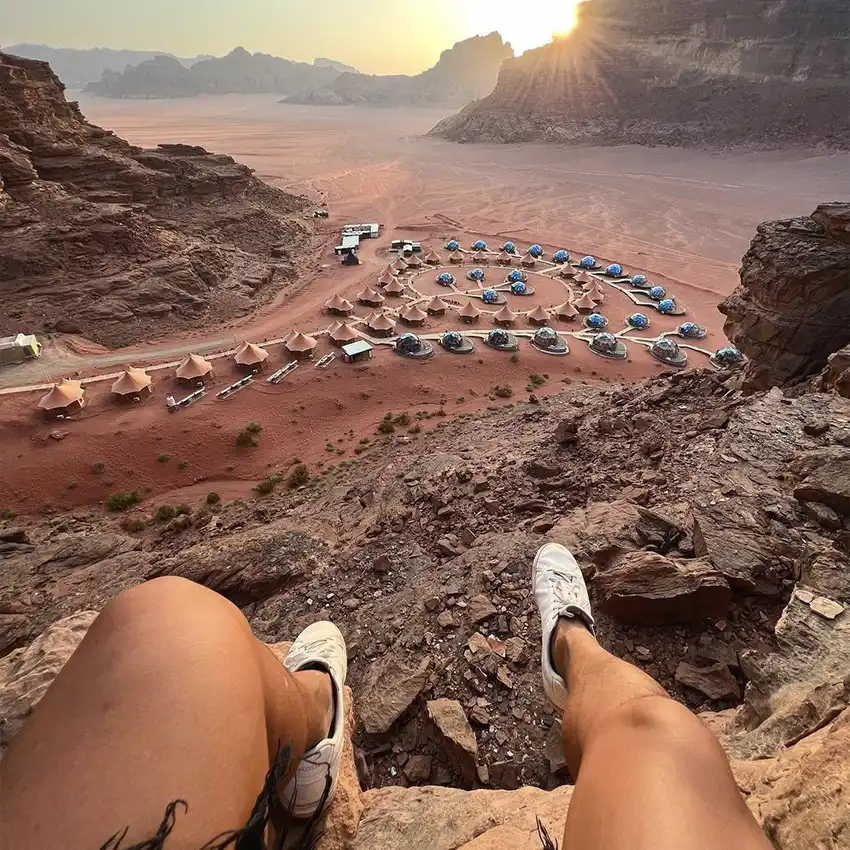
x: 586, y: 302
x: 385, y: 278
x: 436, y: 306
x: 300, y: 344
x: 380, y: 324
x: 481, y: 257
x: 250, y: 355
x: 339, y: 305
x: 504, y: 258
x: 538, y: 316
x: 194, y: 368
x: 66, y: 397
x: 529, y: 261
x: 399, y: 265
x: 456, y: 258
x: 370, y: 297
x: 583, y: 277
x: 566, y: 310
x: 413, y: 261
x: 433, y: 258
x: 394, y: 288
x: 413, y: 315
x: 567, y: 271
x: 388, y: 269
x: 342, y: 334
x: 133, y: 383
x: 469, y: 313
x: 505, y: 316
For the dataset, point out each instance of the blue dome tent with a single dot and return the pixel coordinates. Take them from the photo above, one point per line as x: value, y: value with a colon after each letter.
x: 536, y: 251
x: 667, y: 305
x: 452, y: 339
x: 510, y: 247
x: 657, y: 293
x: 667, y: 351
x: 727, y: 357
x: 475, y: 274
x: 516, y: 275
x: 498, y: 336
x: 561, y: 256
x: 407, y: 343
x: 479, y: 245
x: 445, y: 279
x: 614, y: 270
x: 518, y: 287
x: 452, y: 245
x: 691, y: 330
x: 596, y: 322
x: 588, y: 262
x: 489, y: 296
x: 607, y: 345
x: 640, y: 281
x: 639, y: 321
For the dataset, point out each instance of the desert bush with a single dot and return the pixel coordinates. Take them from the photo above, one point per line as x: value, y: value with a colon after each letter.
x: 299, y: 476
x: 537, y: 380
x: 164, y: 513
x: 122, y: 500
x: 133, y: 524
x: 213, y: 498
x: 402, y: 419
x: 385, y: 426
x: 502, y: 391
x: 267, y: 485
x: 98, y: 467
x: 253, y: 427
x: 246, y: 438
x: 163, y: 459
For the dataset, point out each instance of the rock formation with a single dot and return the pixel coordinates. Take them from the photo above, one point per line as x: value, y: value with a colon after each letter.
x: 463, y: 73
x: 76, y: 68
x: 792, y: 309
x: 239, y: 72
x: 120, y: 243
x: 676, y: 73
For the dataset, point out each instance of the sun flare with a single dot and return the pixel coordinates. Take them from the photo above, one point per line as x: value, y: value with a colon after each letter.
x: 526, y: 24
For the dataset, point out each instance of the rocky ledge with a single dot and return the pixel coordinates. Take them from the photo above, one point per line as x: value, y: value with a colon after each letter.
x: 119, y: 243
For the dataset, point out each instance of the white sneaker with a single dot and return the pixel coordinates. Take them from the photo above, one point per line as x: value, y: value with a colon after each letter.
x: 320, y: 646
x: 559, y: 591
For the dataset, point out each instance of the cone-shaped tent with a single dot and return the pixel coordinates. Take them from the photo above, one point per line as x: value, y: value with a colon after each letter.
x: 339, y: 305
x: 250, y: 355
x: 413, y: 315
x: 505, y: 316
x: 504, y: 258
x: 567, y: 271
x: 481, y: 257
x: 586, y: 303
x: 596, y: 297
x: 566, y: 310
x: 369, y: 296
x: 380, y: 323
x: 395, y: 288
x: 583, y: 277
x: 385, y: 278
x: 194, y: 368
x: 538, y: 316
x: 529, y: 261
x: 413, y: 261
x: 456, y: 257
x: 388, y: 269
x: 399, y: 265
x: 65, y: 397
x: 433, y: 258
x: 436, y: 306
x: 300, y: 344
x: 133, y: 382
x: 341, y: 334
x: 469, y: 312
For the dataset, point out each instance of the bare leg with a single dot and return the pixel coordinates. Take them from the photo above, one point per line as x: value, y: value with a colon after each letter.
x: 648, y: 772
x: 169, y: 696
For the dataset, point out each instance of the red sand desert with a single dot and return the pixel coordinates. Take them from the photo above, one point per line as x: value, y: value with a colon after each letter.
x: 683, y: 218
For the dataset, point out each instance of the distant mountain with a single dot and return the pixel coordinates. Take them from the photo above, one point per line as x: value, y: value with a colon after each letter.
x: 463, y: 73
x: 240, y: 72
x: 677, y: 72
x: 77, y: 68
x: 322, y: 62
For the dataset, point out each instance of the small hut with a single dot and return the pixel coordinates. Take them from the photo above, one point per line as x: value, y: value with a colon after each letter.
x: 350, y: 259
x: 585, y: 303
x: 413, y: 315
x: 529, y: 261
x: 300, y: 345
x: 380, y: 324
x: 194, y: 370
x: 481, y: 257
x: 433, y: 258
x: 504, y: 259
x: 371, y: 298
x: 566, y: 311
x: 413, y: 261
x: 133, y: 384
x: 342, y: 334
x: 595, y: 296
x: 469, y: 313
x: 251, y: 356
x: 65, y: 398
x: 339, y: 306
x: 385, y: 278
x: 436, y: 306
x: 583, y: 277
x: 395, y: 288
x: 388, y: 269
x: 505, y: 316
x: 400, y: 265
x: 538, y: 316
x: 456, y: 258
x: 567, y: 271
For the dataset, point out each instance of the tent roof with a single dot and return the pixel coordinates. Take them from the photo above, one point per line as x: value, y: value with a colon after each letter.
x: 394, y: 286
x: 480, y: 256
x: 342, y: 332
x: 529, y: 260
x: 385, y: 278
x: 567, y: 271
x: 369, y: 294
x: 63, y: 394
x: 436, y: 303
x: 432, y: 255
x: 456, y: 255
x: 469, y: 311
x: 414, y: 313
x: 300, y: 342
x: 339, y: 303
x: 250, y: 354
x: 538, y: 314
x: 380, y: 322
x: 413, y: 260
x: 400, y: 264
x: 505, y: 315
x: 131, y: 381
x: 584, y: 277
x: 194, y: 366
x: 566, y: 309
x: 506, y: 256
x: 388, y: 269
x: 585, y: 302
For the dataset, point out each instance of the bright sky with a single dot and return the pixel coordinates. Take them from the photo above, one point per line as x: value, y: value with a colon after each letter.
x: 377, y: 36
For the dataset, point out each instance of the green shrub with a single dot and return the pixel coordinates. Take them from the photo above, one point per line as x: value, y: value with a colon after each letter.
x: 98, y: 467
x: 267, y: 485
x: 537, y: 380
x: 385, y: 426
x: 122, y: 500
x: 246, y: 438
x: 295, y: 461
x: 7, y: 514
x: 164, y: 513
x: 515, y: 357
x: 133, y: 524
x: 416, y: 429
x: 298, y: 477
x: 402, y: 419
x: 163, y: 459
x: 213, y: 498
x: 182, y: 509
x: 502, y: 391
x: 365, y: 441
x: 182, y: 465
x: 253, y: 427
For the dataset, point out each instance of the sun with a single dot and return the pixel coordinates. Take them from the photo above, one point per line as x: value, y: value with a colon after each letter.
x: 526, y: 24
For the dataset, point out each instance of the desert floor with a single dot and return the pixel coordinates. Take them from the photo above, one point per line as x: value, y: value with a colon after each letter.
x: 682, y: 217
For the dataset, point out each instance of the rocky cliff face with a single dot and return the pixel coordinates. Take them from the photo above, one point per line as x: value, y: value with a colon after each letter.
x: 239, y: 72
x: 463, y: 73
x: 678, y: 73
x: 117, y: 242
x: 792, y: 309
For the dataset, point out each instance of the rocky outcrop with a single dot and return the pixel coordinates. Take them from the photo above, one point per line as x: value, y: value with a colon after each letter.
x: 676, y: 73
x: 463, y: 73
x: 792, y: 308
x: 118, y: 242
x: 239, y: 72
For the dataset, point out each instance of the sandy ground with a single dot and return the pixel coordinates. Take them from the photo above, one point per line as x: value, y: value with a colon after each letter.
x: 683, y: 217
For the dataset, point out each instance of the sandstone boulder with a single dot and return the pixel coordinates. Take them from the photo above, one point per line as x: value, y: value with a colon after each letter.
x: 715, y: 681
x: 458, y: 738
x: 389, y: 689
x: 829, y: 485
x: 648, y: 589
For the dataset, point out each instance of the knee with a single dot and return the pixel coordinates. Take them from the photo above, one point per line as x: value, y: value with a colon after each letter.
x: 661, y: 719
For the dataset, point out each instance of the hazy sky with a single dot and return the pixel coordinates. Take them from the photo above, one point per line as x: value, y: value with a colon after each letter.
x: 378, y: 36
